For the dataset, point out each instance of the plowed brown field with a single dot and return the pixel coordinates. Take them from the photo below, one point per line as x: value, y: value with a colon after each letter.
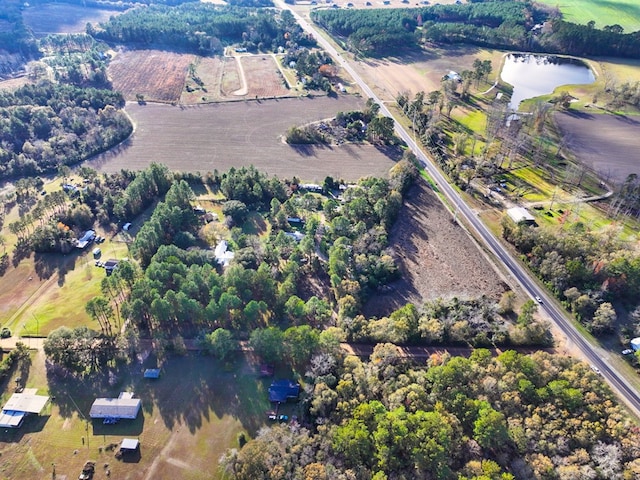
x: 63, y: 18
x: 158, y: 75
x: 223, y: 135
x: 263, y: 77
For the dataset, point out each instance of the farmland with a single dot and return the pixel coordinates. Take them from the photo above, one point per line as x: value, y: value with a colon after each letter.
x: 625, y: 13
x: 219, y: 136
x: 157, y: 75
x: 63, y: 18
x: 218, y: 79
x: 422, y: 71
x: 605, y: 143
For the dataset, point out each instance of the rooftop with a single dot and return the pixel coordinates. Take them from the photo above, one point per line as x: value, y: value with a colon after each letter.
x: 125, y: 406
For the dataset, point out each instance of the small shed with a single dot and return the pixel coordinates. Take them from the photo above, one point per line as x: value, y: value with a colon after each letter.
x: 129, y: 445
x: 110, y: 265
x: 86, y: 238
x: 126, y: 227
x: 635, y: 344
x: 152, y: 373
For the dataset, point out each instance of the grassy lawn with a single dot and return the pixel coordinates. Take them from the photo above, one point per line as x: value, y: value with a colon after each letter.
x: 65, y: 305
x: 625, y: 13
x: 189, y: 417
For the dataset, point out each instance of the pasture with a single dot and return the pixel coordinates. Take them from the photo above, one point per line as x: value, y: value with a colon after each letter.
x: 625, y: 13
x: 189, y: 417
x: 54, y: 18
x: 224, y: 135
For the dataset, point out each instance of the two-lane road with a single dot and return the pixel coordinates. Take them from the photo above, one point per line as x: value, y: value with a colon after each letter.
x: 627, y: 393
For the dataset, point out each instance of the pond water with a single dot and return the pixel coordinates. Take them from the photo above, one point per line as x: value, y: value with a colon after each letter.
x: 535, y: 75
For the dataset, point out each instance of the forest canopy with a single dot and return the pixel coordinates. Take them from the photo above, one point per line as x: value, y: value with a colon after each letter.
x: 45, y: 125
x: 203, y: 28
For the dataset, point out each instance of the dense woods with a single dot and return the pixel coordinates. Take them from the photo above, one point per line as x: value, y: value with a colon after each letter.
x: 204, y: 28
x: 511, y: 416
x: 497, y: 24
x: 45, y: 125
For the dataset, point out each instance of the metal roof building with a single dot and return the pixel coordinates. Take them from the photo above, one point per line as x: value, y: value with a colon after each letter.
x: 520, y: 214
x: 19, y: 406
x: 125, y: 406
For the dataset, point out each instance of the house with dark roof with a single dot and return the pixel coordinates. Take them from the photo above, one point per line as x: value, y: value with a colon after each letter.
x: 281, y: 391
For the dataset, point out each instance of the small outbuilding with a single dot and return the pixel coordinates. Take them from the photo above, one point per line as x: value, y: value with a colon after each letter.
x: 110, y: 265
x: 20, y: 405
x: 123, y: 407
x: 86, y: 238
x: 635, y: 344
x: 129, y: 445
x: 152, y: 373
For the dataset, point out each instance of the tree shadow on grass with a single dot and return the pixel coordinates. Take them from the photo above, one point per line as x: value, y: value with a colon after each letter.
x: 194, y: 386
x: 20, y: 252
x: 47, y: 264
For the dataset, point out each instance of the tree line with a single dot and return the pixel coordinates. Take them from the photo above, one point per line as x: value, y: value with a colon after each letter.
x: 203, y: 28
x: 499, y: 24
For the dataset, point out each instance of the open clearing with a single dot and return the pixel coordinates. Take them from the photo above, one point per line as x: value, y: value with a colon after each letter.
x: 436, y: 257
x: 422, y: 71
x: 189, y: 417
x: 220, y: 136
x: 158, y: 75
x: 63, y: 18
x: 625, y: 13
x: 608, y: 144
x: 263, y: 77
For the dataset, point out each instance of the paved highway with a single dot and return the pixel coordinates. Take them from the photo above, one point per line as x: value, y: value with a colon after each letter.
x: 627, y: 393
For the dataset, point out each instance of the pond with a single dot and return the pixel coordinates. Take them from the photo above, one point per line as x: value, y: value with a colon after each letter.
x: 535, y: 75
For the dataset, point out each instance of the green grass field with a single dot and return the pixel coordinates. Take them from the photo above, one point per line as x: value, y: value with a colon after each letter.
x: 189, y: 417
x: 625, y: 13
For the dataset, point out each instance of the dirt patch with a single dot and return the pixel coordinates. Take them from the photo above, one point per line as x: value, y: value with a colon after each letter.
x: 219, y: 136
x: 63, y: 18
x: 157, y: 75
x: 607, y: 144
x: 263, y: 77
x: 437, y: 258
